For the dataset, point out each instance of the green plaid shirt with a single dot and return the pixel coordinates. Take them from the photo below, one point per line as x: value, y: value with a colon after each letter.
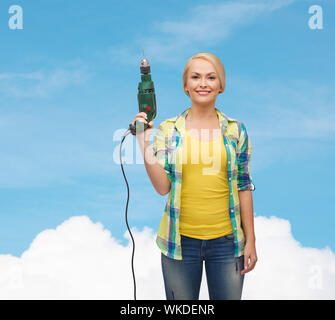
x: 167, y: 148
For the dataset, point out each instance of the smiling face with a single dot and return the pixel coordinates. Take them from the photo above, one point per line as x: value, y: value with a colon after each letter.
x: 202, y: 82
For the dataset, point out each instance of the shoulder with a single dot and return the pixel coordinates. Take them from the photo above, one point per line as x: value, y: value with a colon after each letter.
x: 171, y: 121
x: 228, y: 121
x: 167, y: 124
x: 234, y: 126
x: 236, y: 129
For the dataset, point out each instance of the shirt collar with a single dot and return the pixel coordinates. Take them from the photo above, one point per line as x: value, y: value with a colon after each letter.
x: 180, y: 120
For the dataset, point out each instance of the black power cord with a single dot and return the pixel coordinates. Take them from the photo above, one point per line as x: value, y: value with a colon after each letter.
x: 132, y: 258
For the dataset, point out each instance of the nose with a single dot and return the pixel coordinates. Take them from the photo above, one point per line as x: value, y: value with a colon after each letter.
x: 203, y: 83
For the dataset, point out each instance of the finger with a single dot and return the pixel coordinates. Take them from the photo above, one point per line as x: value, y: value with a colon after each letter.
x: 140, y: 117
x: 246, y: 261
x: 249, y: 267
x: 246, y: 264
x: 142, y: 120
x: 246, y: 270
x: 253, y: 263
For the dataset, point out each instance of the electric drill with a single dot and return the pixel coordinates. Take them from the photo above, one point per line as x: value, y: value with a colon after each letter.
x: 146, y: 103
x: 146, y: 98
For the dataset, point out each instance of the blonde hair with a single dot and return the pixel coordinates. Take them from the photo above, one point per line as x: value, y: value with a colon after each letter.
x: 212, y: 59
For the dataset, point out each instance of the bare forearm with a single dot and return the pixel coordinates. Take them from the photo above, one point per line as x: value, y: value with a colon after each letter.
x: 247, y: 214
x: 156, y: 172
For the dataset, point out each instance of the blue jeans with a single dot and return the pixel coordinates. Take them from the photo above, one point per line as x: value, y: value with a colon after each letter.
x: 182, y: 278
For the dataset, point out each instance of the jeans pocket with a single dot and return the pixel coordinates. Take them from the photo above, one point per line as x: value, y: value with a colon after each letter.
x: 229, y: 237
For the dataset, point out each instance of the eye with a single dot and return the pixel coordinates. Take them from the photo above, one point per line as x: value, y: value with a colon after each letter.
x: 210, y: 77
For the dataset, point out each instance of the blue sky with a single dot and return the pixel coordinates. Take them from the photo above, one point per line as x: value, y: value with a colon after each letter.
x: 68, y: 86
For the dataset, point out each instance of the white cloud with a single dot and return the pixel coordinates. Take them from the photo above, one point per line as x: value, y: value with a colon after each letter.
x: 216, y: 21
x: 286, y: 270
x: 40, y: 83
x: 201, y: 25
x: 53, y: 145
x: 81, y: 260
x: 294, y: 118
x: 298, y: 105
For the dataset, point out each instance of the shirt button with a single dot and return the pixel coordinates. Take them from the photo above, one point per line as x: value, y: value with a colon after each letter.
x: 231, y: 210
x: 229, y: 178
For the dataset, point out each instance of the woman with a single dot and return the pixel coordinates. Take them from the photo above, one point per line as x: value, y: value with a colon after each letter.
x: 209, y: 212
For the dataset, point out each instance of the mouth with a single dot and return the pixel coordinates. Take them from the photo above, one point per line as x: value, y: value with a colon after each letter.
x: 203, y: 93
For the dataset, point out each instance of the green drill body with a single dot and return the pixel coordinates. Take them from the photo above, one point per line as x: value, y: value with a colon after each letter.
x: 146, y: 98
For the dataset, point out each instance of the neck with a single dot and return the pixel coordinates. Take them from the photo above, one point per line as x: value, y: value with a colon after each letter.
x: 202, y: 113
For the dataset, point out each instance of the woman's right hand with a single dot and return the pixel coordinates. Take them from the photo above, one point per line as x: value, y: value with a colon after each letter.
x: 142, y: 117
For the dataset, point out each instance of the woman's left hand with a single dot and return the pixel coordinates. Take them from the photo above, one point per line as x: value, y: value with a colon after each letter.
x: 250, y: 256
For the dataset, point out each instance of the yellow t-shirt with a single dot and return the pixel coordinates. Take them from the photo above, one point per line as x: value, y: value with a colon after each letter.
x: 204, y: 212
